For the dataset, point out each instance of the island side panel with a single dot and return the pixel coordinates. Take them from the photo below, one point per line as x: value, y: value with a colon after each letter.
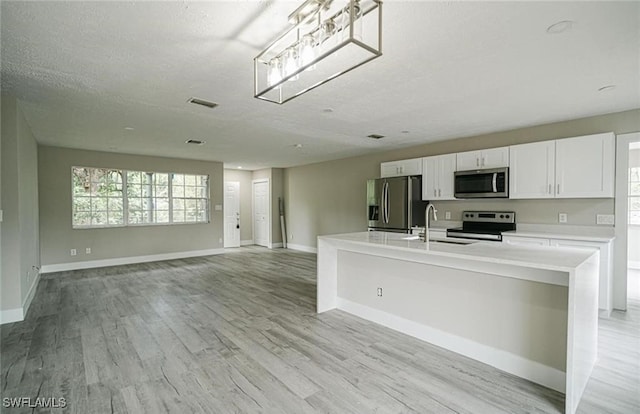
x: 515, y: 325
x: 327, y: 279
x: 582, y: 335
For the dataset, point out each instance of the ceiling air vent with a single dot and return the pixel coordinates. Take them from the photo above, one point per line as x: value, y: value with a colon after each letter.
x: 375, y: 136
x: 194, y: 142
x: 202, y: 102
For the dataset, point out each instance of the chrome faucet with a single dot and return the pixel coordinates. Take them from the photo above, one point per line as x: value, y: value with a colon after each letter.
x: 427, y: 220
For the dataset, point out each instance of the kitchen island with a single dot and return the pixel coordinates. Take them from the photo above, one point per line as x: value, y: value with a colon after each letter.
x: 529, y: 311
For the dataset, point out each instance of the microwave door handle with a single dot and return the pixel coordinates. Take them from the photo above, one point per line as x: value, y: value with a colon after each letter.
x: 495, y: 182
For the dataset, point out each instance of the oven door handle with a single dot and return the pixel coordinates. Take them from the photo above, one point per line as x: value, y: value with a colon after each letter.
x: 495, y: 182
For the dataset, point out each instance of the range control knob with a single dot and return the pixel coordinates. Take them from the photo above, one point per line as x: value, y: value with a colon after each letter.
x: 502, y: 216
x: 507, y: 216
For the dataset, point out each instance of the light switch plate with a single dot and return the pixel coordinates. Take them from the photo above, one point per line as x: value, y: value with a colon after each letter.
x: 218, y: 207
x: 608, y: 219
x: 562, y: 217
x: 447, y: 215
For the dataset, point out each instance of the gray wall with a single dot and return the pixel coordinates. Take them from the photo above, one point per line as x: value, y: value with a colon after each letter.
x: 20, y: 245
x: 329, y: 197
x: 57, y: 236
x: 246, y: 210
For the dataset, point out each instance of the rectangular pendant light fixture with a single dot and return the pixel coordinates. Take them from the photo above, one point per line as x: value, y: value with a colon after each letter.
x: 328, y: 38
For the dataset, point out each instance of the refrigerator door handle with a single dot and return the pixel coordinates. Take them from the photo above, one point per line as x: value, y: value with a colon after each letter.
x: 386, y: 203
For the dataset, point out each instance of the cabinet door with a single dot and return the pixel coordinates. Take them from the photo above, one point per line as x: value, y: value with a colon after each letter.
x: 525, y: 241
x: 446, y: 168
x: 411, y: 167
x: 389, y: 169
x: 532, y: 170
x: 429, y: 172
x: 469, y: 160
x: 585, y: 166
x: 494, y: 158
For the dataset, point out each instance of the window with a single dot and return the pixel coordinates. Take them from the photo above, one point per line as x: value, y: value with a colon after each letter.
x: 634, y: 195
x: 104, y: 197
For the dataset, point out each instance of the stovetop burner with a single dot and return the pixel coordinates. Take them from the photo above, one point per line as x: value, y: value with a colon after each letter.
x: 484, y: 225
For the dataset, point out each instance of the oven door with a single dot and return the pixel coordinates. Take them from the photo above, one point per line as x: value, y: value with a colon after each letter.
x: 491, y: 183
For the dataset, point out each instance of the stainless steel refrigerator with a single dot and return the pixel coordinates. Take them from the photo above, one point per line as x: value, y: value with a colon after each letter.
x: 395, y: 203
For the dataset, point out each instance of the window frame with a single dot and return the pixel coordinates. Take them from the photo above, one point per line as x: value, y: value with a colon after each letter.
x: 125, y: 200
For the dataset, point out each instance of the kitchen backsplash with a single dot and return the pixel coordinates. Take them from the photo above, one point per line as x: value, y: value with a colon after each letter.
x: 579, y: 211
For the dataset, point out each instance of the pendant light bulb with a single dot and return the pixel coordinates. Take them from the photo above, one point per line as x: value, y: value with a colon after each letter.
x: 291, y: 64
x: 307, y: 51
x: 275, y: 75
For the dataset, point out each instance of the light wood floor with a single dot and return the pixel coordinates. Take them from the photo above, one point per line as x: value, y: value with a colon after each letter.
x: 238, y: 333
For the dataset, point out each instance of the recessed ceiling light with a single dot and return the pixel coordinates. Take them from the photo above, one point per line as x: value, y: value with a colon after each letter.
x: 405, y: 131
x: 128, y: 128
x: 195, y: 142
x: 327, y: 110
x: 298, y: 146
x: 375, y: 136
x: 560, y: 27
x: 607, y: 88
x: 239, y: 167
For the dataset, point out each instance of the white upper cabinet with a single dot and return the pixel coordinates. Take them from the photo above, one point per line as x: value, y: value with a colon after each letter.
x: 532, y: 171
x: 437, y: 177
x: 585, y: 166
x: 401, y: 168
x: 489, y: 158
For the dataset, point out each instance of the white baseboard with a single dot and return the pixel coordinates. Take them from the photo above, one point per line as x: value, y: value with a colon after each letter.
x: 11, y: 315
x: 633, y: 264
x: 505, y: 361
x: 90, y: 264
x: 246, y: 242
x: 30, y: 295
x: 275, y: 245
x: 302, y: 248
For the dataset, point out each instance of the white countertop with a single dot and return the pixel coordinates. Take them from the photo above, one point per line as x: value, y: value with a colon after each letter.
x: 537, y: 257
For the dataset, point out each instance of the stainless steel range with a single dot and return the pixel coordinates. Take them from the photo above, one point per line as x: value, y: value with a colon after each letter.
x: 484, y: 225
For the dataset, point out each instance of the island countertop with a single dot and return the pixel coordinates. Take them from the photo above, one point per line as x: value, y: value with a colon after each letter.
x: 537, y: 257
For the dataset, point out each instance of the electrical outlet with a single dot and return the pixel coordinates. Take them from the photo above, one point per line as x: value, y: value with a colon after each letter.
x: 447, y: 215
x: 220, y: 240
x: 87, y: 250
x: 605, y: 219
x: 73, y: 252
x: 291, y: 236
x: 380, y: 292
x: 562, y: 217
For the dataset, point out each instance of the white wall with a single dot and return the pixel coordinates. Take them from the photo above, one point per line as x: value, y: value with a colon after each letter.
x: 20, y: 237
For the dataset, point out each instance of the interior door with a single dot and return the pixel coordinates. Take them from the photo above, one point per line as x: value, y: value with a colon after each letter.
x: 261, y: 213
x: 231, y: 214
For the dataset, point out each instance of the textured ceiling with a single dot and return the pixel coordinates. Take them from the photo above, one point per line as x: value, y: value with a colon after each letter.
x: 85, y: 71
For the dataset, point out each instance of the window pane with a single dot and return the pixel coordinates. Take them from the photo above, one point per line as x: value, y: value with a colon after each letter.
x: 190, y: 192
x: 178, y: 191
x: 634, y: 189
x: 189, y: 180
x: 178, y: 216
x: 177, y: 179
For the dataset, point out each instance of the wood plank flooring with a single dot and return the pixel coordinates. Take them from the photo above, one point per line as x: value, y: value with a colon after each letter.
x: 238, y: 333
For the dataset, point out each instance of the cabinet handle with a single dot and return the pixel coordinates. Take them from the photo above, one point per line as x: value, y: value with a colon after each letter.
x: 477, y: 162
x: 434, y: 192
x: 558, y: 192
x: 482, y: 163
x: 549, y: 188
x: 439, y: 193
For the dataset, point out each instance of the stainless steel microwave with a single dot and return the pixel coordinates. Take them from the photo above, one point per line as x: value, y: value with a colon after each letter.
x: 489, y: 183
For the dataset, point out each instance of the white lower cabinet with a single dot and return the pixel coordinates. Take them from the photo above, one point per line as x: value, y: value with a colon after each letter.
x: 605, y: 300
